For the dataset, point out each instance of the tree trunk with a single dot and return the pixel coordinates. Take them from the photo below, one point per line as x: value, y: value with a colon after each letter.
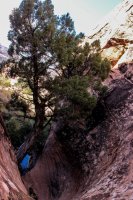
x: 39, y: 118
x: 37, y: 130
x: 3, y: 125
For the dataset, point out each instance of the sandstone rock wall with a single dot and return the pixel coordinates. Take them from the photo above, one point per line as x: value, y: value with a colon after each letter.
x: 53, y: 176
x: 113, y: 176
x: 106, y: 153
x: 11, y: 185
x: 115, y: 32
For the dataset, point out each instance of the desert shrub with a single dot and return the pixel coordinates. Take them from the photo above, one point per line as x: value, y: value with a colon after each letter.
x: 18, y: 130
x: 5, y: 82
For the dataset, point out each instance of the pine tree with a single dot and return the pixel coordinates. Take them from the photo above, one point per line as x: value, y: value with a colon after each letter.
x: 48, y: 55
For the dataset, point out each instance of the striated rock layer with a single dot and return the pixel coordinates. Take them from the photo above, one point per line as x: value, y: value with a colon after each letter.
x: 115, y: 32
x: 11, y: 185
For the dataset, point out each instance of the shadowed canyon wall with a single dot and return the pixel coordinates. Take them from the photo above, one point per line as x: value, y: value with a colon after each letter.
x: 11, y: 185
x: 105, y: 153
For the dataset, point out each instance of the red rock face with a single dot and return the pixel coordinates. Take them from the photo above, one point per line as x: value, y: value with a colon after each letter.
x: 108, y: 162
x: 117, y: 24
x: 113, y: 176
x: 11, y: 185
x: 115, y: 32
x: 53, y: 176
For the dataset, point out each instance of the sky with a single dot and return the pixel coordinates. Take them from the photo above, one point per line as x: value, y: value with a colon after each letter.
x: 85, y: 13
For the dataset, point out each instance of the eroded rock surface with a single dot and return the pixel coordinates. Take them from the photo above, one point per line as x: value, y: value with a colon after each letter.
x: 53, y: 176
x: 11, y: 185
x: 113, y: 176
x: 105, y: 153
x: 115, y: 32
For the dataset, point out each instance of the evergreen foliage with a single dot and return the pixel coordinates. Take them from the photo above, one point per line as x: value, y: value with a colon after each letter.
x: 49, y: 57
x: 18, y: 130
x: 18, y: 104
